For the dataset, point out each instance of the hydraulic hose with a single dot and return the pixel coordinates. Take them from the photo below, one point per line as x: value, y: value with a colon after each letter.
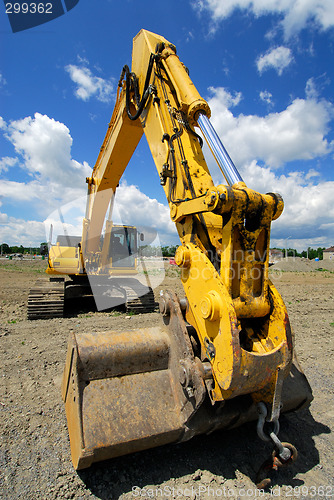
x: 132, y: 78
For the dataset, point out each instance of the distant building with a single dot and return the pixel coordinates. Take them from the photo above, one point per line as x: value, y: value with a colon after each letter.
x: 275, y: 255
x: 329, y: 253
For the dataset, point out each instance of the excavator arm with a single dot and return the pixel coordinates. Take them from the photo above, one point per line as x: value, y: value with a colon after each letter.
x: 230, y: 339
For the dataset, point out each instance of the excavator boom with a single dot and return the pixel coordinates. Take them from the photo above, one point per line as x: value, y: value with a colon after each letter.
x: 227, y: 346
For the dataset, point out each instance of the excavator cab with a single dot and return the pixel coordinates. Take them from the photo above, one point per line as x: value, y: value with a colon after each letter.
x: 123, y: 246
x: 223, y: 354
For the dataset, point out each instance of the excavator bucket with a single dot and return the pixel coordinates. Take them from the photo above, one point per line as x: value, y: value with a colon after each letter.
x: 129, y: 391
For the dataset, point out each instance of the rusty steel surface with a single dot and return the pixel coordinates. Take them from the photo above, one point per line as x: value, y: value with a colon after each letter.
x: 129, y: 391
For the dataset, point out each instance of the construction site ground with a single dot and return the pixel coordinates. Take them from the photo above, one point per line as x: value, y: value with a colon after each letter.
x: 34, y: 446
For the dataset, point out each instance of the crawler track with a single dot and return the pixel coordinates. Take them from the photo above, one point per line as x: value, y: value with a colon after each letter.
x: 46, y: 299
x: 137, y: 303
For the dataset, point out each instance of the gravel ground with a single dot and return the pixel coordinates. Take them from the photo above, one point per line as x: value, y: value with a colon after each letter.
x: 34, y: 450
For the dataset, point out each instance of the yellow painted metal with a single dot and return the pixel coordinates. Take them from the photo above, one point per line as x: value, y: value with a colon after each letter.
x: 188, y: 99
x: 240, y: 366
x: 225, y: 234
x: 63, y: 260
x: 245, y: 343
x: 224, y: 231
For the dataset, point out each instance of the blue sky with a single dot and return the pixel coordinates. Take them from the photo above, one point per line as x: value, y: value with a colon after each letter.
x: 266, y: 69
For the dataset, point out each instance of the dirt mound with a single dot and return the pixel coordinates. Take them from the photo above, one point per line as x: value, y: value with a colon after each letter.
x: 300, y: 264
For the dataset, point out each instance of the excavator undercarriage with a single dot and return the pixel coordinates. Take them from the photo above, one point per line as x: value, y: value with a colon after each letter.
x: 49, y: 298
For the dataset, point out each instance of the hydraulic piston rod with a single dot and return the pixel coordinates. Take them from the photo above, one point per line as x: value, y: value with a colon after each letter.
x: 222, y: 157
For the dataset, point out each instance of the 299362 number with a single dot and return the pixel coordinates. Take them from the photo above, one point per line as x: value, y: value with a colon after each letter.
x: 310, y: 491
x: 29, y: 8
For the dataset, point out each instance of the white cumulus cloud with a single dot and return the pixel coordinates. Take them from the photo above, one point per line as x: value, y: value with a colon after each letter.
x: 7, y: 162
x: 278, y: 58
x: 294, y: 15
x: 296, y: 133
x: 57, y: 182
x: 45, y: 145
x: 19, y: 231
x: 89, y: 85
x: 135, y: 207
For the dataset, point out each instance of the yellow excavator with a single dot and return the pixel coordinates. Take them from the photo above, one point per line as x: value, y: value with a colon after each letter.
x: 109, y: 276
x: 224, y: 354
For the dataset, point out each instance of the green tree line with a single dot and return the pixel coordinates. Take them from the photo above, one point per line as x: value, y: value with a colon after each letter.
x: 150, y: 251
x: 169, y: 251
x: 310, y: 253
x: 8, y: 250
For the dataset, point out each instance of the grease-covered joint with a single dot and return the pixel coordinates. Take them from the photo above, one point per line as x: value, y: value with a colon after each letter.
x: 159, y: 48
x: 211, y: 306
x: 210, y: 349
x: 164, y: 304
x: 90, y: 181
x: 167, y: 50
x: 182, y: 256
x: 211, y: 198
x: 220, y: 199
x: 251, y: 203
x: 184, y: 304
x: 279, y: 204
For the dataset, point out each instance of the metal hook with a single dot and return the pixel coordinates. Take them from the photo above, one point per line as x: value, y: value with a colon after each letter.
x: 283, y: 454
x: 262, y: 410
